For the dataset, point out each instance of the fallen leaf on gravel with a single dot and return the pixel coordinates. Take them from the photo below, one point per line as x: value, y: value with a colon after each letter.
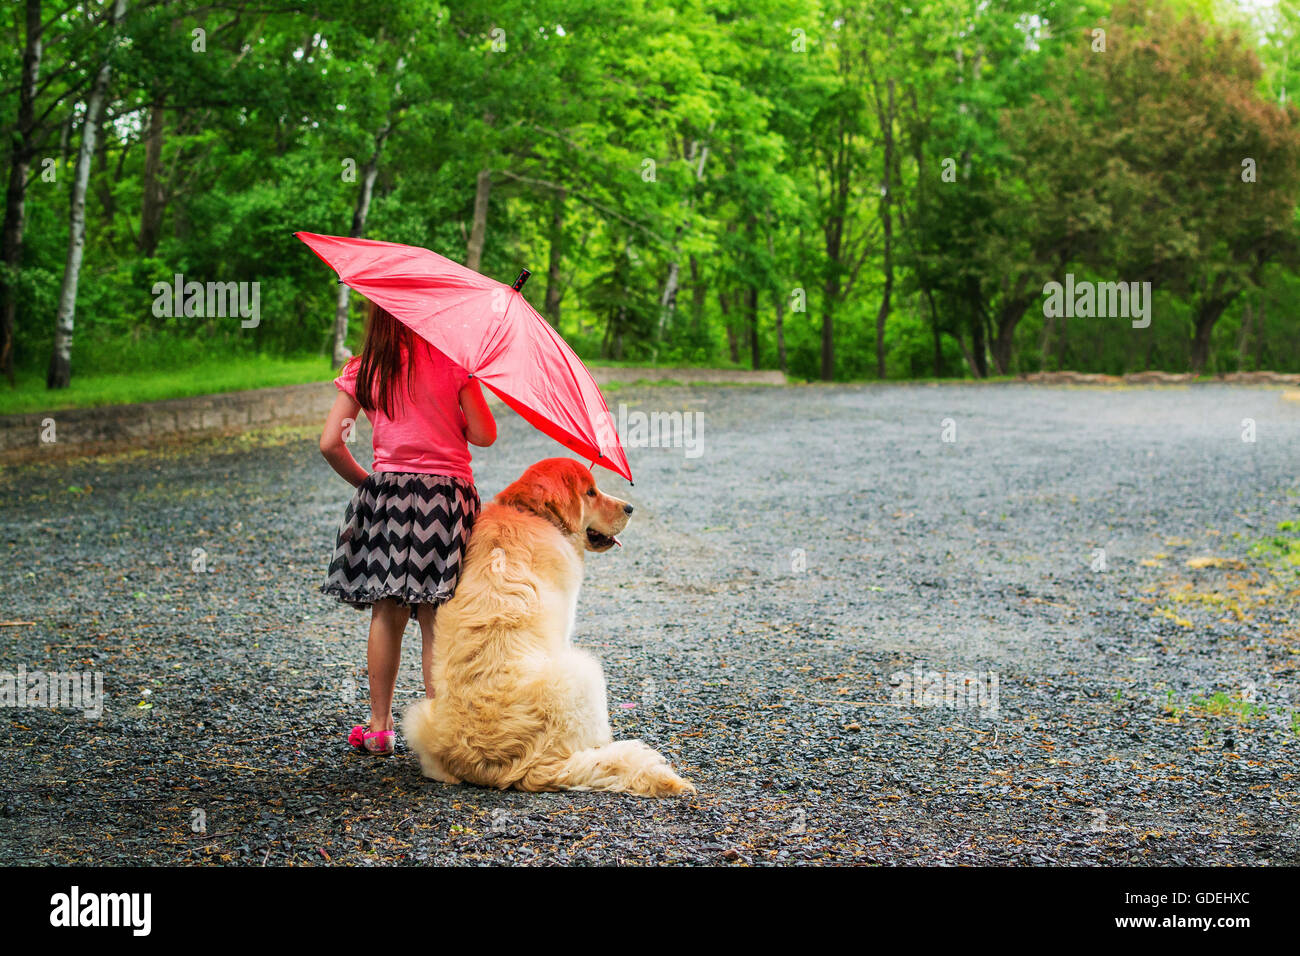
x: 1212, y: 562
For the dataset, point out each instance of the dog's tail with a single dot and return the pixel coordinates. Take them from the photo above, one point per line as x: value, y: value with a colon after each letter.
x: 417, y: 725
x: 625, y: 766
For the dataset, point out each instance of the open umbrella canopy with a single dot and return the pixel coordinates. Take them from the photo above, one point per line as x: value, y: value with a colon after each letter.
x: 487, y: 328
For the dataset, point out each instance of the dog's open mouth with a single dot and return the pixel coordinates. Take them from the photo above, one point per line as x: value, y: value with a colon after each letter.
x: 601, y: 542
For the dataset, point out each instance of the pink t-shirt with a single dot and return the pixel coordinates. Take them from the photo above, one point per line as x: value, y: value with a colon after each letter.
x: 428, y: 433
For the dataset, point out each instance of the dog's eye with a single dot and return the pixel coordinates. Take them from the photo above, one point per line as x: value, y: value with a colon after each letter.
x: 591, y: 492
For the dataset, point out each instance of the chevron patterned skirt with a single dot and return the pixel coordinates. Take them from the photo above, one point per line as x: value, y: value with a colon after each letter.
x: 403, y: 536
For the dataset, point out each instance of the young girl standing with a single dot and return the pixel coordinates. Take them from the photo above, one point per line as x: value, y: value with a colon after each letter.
x: 405, y: 530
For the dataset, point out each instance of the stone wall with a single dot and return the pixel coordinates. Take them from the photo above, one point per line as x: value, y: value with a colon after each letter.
x: 1157, y: 378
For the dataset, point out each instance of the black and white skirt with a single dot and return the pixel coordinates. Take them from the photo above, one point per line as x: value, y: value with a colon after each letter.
x: 403, y: 537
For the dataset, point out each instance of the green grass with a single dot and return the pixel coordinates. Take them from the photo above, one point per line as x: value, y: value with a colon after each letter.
x: 1281, y: 552
x: 203, y: 377
x: 1220, y: 703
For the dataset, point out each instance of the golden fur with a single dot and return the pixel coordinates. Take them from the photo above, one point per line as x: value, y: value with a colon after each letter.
x: 514, y: 703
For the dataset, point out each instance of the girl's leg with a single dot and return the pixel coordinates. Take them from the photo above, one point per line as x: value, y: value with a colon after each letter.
x: 383, y: 654
x: 424, y: 613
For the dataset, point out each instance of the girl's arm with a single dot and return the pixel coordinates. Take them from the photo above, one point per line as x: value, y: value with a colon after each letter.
x: 332, y: 446
x: 480, y: 426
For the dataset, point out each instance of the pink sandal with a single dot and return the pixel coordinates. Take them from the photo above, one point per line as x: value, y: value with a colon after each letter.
x: 362, y: 740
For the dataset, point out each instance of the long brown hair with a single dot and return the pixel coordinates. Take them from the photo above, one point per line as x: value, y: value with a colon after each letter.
x: 381, y: 361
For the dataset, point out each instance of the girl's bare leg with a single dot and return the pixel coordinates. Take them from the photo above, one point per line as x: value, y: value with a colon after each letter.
x: 383, y: 654
x: 424, y: 613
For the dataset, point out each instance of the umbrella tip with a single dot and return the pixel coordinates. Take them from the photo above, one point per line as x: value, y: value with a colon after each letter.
x: 523, y: 277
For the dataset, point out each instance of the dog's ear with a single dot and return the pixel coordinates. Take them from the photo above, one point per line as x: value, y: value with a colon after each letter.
x: 567, y: 511
x: 550, y: 493
x: 563, y: 500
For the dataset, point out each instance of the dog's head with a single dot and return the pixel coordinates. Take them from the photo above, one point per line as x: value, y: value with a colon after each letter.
x: 564, y: 492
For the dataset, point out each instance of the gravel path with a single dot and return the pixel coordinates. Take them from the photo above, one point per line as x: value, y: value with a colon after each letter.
x: 763, y: 625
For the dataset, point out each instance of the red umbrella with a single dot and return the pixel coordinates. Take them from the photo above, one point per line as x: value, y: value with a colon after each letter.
x: 487, y: 328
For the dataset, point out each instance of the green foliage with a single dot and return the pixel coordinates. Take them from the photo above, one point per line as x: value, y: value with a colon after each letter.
x: 161, y: 369
x: 742, y: 148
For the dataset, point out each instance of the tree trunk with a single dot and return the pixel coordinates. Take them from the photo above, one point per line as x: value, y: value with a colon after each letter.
x: 699, y: 296
x: 60, y: 370
x: 751, y: 306
x: 154, y: 189
x: 887, y: 222
x: 1201, y: 345
x: 1045, y: 346
x: 978, y: 349
x: 618, y: 333
x: 65, y: 137
x: 1206, y: 317
x: 1209, y: 309
x: 882, y: 315
x: 1002, y: 353
x: 966, y: 354
x: 834, y: 233
x: 1259, y: 321
x: 733, y: 344
x: 828, y: 326
x: 16, y: 192
x: 360, y: 213
x: 976, y: 322
x: 668, y: 299
x: 1243, y: 340
x: 1009, y: 317
x: 106, y: 186
x: 553, y: 293
x: 478, y: 231
x: 1010, y: 312
x: 935, y: 333
x: 780, y: 332
x: 778, y: 300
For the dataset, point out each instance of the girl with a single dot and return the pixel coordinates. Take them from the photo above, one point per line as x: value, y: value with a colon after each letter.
x: 406, y: 528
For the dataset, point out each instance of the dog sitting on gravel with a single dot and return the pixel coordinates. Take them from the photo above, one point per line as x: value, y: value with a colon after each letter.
x: 514, y: 703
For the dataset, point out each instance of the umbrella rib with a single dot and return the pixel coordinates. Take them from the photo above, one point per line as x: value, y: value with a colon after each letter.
x: 532, y: 315
x: 512, y: 402
x: 568, y: 355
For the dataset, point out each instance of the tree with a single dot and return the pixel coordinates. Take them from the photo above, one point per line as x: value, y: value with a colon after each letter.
x: 22, y: 151
x: 838, y: 145
x: 1198, y: 215
x: 60, y: 370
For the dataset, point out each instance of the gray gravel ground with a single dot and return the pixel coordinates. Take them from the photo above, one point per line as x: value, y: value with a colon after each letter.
x: 754, y: 627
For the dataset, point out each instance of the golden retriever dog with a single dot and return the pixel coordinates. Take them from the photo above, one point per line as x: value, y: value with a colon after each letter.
x: 514, y: 703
